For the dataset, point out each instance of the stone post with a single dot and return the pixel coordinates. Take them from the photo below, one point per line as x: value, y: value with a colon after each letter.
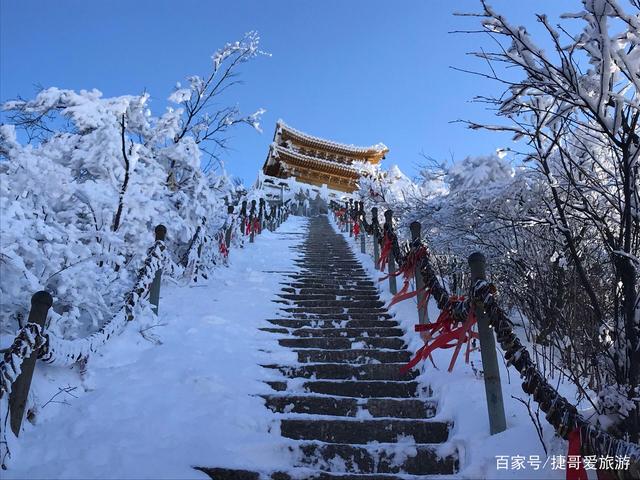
x: 415, y: 228
x: 252, y: 216
x: 376, y: 235
x: 393, y: 287
x: 492, y: 385
x: 40, y: 304
x: 154, y: 289
x: 229, y: 231
x: 261, y: 214
x: 363, y: 233
x: 349, y: 216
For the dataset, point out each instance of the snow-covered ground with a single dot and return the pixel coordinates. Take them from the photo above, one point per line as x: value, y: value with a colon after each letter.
x: 154, y: 411
x: 150, y: 410
x: 461, y: 399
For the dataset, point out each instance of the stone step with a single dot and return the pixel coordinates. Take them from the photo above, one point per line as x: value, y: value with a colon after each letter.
x: 355, y: 388
x: 342, y: 316
x: 353, y: 356
x: 347, y: 309
x: 348, y: 332
x: 349, y: 407
x: 274, y: 330
x: 294, y: 474
x: 381, y: 458
x: 364, y: 431
x: 328, y: 296
x: 330, y: 283
x: 364, y: 388
x: 321, y: 275
x: 346, y: 371
x: 334, y: 291
x: 336, y: 343
x: 362, y: 323
x: 365, y: 305
x: 344, y: 407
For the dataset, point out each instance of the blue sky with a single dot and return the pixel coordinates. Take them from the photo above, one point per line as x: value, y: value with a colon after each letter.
x: 358, y: 72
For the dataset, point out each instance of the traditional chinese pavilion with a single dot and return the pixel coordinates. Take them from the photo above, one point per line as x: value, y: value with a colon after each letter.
x: 318, y: 162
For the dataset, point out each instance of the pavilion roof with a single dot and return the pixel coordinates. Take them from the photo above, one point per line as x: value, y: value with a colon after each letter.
x: 377, y: 151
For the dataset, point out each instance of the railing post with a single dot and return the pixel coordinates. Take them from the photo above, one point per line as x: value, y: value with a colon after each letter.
x: 349, y: 217
x: 363, y: 234
x: 252, y: 214
x: 243, y: 219
x: 228, y: 232
x: 393, y: 287
x: 492, y: 385
x: 376, y: 235
x: 345, y: 226
x: 40, y: 304
x: 154, y: 290
x: 416, y: 228
x: 261, y: 214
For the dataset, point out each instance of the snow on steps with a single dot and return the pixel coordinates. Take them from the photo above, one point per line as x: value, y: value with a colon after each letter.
x: 344, y: 408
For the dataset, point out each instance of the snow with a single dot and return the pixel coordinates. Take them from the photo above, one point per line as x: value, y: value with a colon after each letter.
x: 461, y: 399
x: 147, y: 410
x: 379, y: 147
x: 180, y: 95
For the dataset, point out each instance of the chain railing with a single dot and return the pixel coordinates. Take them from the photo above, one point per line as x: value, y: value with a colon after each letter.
x: 34, y: 341
x: 455, y: 327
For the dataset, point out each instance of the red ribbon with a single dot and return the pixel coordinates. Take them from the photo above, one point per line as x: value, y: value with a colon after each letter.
x: 387, y: 243
x: 247, y: 227
x: 444, y: 334
x: 356, y: 229
x: 223, y: 249
x: 407, y: 270
x: 574, y: 451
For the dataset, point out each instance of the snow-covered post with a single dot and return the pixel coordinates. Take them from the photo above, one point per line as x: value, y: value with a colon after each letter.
x: 492, y: 385
x: 261, y: 214
x: 363, y: 233
x: 40, y: 304
x: 345, y: 223
x: 252, y: 216
x: 350, y: 216
x: 376, y: 235
x: 154, y: 290
x: 228, y: 232
x: 388, y: 219
x: 243, y: 218
x: 416, y: 228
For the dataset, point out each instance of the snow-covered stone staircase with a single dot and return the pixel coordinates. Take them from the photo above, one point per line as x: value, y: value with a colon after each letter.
x: 350, y: 412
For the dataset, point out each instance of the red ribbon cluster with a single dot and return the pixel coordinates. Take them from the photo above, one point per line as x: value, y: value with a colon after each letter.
x: 387, y: 244
x: 252, y: 227
x: 446, y: 333
x: 407, y: 271
x: 222, y: 247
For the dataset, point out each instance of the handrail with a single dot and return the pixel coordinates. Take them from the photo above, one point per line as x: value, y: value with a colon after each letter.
x: 560, y: 413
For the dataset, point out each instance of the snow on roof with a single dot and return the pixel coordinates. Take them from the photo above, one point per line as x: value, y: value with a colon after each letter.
x: 379, y: 148
x: 279, y: 148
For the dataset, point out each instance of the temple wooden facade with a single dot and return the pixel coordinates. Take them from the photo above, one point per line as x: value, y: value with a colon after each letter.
x: 316, y: 161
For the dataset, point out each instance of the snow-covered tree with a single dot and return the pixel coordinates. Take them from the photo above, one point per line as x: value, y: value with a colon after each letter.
x: 81, y: 197
x: 577, y: 107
